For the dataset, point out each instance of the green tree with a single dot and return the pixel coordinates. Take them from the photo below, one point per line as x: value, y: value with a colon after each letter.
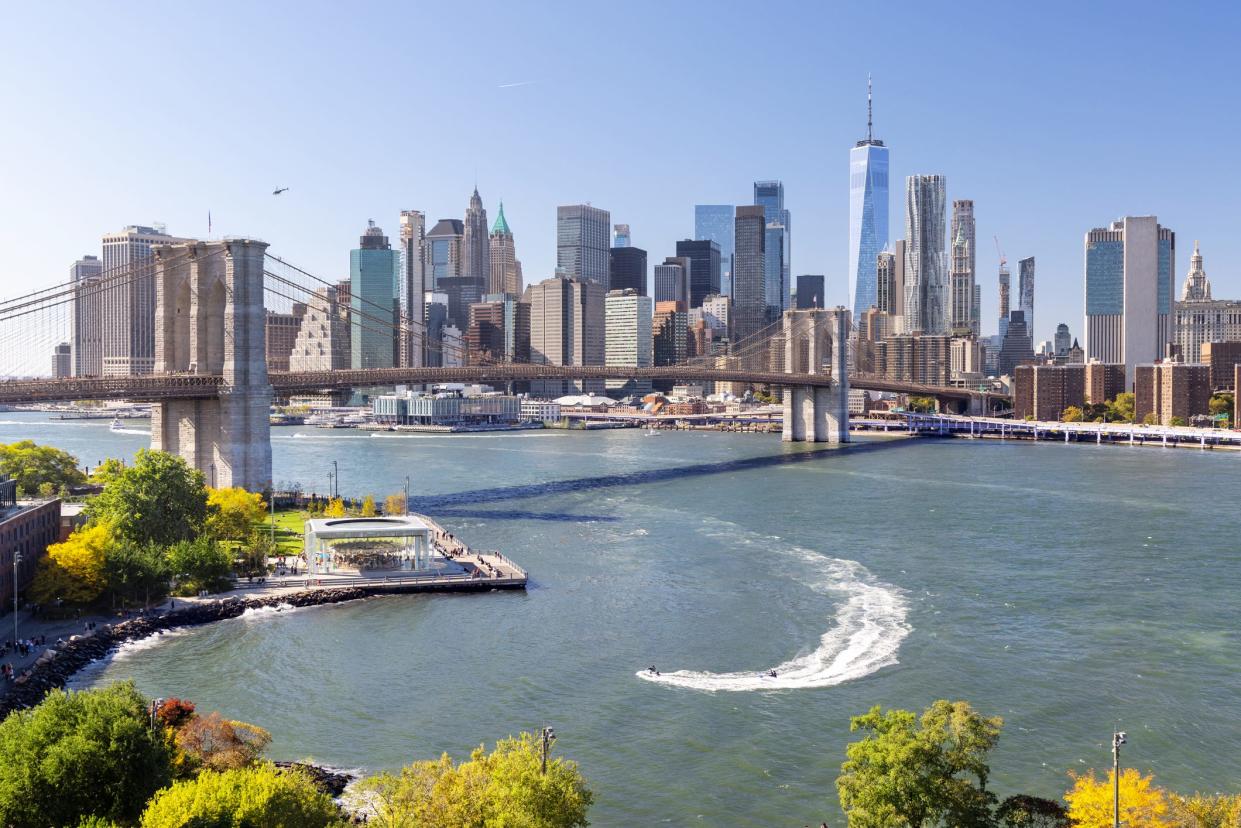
x: 1022, y: 811
x: 1072, y: 414
x: 107, y: 471
x: 136, y: 573
x: 233, y: 512
x: 75, y: 755
x: 918, y: 772
x: 200, y: 564
x: 1150, y: 419
x: 74, y: 570
x: 1120, y: 410
x: 262, y: 797
x: 922, y: 405
x: 503, y: 788
x: 159, y: 499
x: 1177, y: 421
x: 251, y: 560
x: 34, y: 467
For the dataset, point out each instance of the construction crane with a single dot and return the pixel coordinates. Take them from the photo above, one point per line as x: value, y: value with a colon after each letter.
x: 1003, y: 258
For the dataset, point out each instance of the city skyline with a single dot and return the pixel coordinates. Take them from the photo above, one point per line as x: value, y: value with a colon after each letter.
x: 1017, y: 187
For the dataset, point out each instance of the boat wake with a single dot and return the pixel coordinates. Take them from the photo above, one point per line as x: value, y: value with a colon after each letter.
x: 870, y: 625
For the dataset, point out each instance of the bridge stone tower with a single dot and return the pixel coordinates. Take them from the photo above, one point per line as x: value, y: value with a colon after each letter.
x: 210, y: 320
x: 815, y: 340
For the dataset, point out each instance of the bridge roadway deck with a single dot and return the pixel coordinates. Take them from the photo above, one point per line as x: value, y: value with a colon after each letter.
x: 157, y: 387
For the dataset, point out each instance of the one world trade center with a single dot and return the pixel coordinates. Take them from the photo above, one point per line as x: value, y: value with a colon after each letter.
x: 868, y: 213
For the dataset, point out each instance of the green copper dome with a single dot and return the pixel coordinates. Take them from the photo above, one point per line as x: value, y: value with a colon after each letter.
x: 501, y: 226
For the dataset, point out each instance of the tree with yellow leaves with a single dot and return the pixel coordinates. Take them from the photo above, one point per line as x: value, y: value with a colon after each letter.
x: 1141, y: 802
x: 232, y: 512
x: 394, y: 504
x: 368, y: 506
x: 1206, y: 810
x: 74, y: 570
x: 335, y: 509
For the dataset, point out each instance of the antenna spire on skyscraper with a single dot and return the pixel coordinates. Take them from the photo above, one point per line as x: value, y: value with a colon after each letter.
x: 870, y: 132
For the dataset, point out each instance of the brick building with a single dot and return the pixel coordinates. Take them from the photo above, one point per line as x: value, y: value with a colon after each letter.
x: 1171, y: 389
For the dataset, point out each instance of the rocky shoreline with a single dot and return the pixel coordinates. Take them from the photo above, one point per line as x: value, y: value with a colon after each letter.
x: 60, y: 663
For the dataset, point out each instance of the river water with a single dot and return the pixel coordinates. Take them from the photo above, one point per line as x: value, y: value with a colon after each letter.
x: 1065, y: 588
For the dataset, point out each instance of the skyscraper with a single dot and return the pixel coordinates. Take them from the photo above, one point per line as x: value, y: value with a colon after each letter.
x: 567, y: 327
x: 714, y: 222
x: 961, y: 279
x: 704, y: 278
x: 86, y: 276
x: 777, y: 278
x: 628, y: 269
x: 413, y: 231
x: 749, y: 307
x: 1129, y: 291
x: 672, y: 279
x: 129, y: 303
x: 1063, y: 340
x: 628, y: 340
x: 475, y: 244
x: 443, y: 256
x: 868, y: 212
x: 620, y: 235
x: 890, y: 285
x: 582, y: 243
x: 1199, y: 319
x: 374, y: 309
x: 1005, y: 288
x: 925, y: 289
x: 1017, y: 347
x: 505, y: 273
x: 62, y: 360
x: 1025, y: 290
x: 809, y: 291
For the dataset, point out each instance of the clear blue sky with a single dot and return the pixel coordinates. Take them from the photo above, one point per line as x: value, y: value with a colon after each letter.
x: 1054, y: 118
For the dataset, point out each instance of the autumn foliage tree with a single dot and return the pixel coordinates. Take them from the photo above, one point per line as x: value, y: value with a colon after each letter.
x: 232, y: 512
x: 74, y: 570
x: 1141, y: 802
x: 252, y: 796
x: 394, y: 504
x: 221, y: 744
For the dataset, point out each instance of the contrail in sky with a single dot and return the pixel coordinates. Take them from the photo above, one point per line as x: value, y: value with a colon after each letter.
x: 511, y: 85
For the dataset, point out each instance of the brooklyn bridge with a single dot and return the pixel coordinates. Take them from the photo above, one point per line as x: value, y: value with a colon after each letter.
x: 212, y: 388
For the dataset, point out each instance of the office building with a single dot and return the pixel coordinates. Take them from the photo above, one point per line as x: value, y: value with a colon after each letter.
x: 443, y: 252
x: 435, y: 308
x: 672, y: 280
x: 505, y: 268
x: 1168, y: 391
x: 967, y: 359
x: 868, y: 213
x: 620, y: 235
x: 62, y: 360
x: 128, y: 300
x: 890, y: 285
x: 670, y: 337
x: 1129, y: 292
x: 628, y: 341
x: 413, y: 232
x: 1200, y: 319
x: 962, y: 283
x: 484, y: 338
x: 1043, y: 392
x: 1104, y: 381
x: 628, y: 269
x: 567, y: 327
x: 87, y: 278
x: 1005, y: 287
x: 809, y: 292
x: 459, y: 293
x: 704, y: 271
x: 322, y: 342
x: 1063, y: 340
x: 374, y: 308
x: 920, y: 358
x: 714, y: 222
x: 749, y: 269
x: 1221, y: 358
x: 1025, y: 290
x: 582, y: 243
x: 925, y: 285
x: 777, y: 261
x: 281, y: 331
x: 1017, y: 347
x: 476, y: 244
x: 717, y: 313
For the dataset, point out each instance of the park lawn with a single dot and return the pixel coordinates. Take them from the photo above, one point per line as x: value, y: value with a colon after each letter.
x: 289, y: 530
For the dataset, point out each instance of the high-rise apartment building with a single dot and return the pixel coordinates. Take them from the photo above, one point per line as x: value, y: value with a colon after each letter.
x: 128, y: 300
x: 628, y: 339
x: 914, y: 358
x: 670, y: 333
x: 582, y: 243
x: 1104, y: 381
x: 1043, y: 392
x: 672, y: 279
x: 1171, y: 390
x: 925, y: 285
x: 413, y: 232
x: 809, y: 292
x: 1222, y: 358
x: 505, y: 272
x: 1025, y: 290
x: 777, y: 261
x: 1005, y: 288
x: 475, y: 244
x: 62, y: 360
x: 1129, y: 291
x: 1199, y: 319
x: 628, y: 269
x: 620, y: 235
x: 714, y: 222
x: 962, y: 283
x: 717, y: 313
x: 890, y: 285
x: 374, y: 308
x: 87, y: 279
x: 868, y: 213
x: 704, y: 273
x: 567, y: 327
x: 749, y: 306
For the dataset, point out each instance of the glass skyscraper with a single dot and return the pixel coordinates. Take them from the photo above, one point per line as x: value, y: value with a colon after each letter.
x: 374, y: 279
x: 926, y: 287
x: 868, y: 213
x: 714, y: 222
x: 777, y: 278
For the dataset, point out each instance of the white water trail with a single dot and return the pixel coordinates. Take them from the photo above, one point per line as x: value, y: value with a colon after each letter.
x: 869, y: 627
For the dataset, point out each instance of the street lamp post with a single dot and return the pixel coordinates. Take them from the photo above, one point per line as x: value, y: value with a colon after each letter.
x: 406, y: 509
x: 546, y: 736
x: 1118, y: 739
x: 336, y: 477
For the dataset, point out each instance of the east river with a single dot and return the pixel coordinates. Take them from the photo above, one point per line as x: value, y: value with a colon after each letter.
x: 1067, y: 588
